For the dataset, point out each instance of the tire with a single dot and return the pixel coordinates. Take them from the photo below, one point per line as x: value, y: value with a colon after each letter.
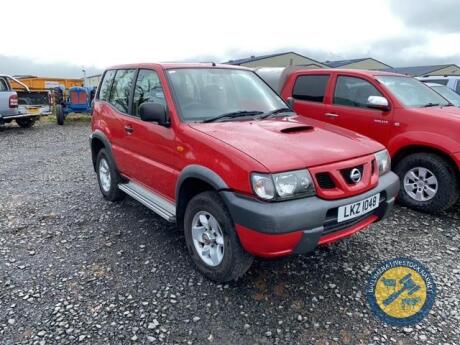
x: 234, y: 261
x: 106, y: 167
x: 446, y: 193
x: 60, y: 117
x: 26, y: 122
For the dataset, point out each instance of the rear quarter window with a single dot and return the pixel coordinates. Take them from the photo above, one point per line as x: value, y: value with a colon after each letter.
x: 106, y: 84
x: 3, y: 85
x: 457, y: 88
x: 310, y: 87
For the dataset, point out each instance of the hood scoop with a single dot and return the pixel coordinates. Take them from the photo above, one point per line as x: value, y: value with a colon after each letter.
x: 296, y: 129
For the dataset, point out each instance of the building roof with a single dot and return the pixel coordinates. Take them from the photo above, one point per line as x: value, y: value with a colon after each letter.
x: 417, y: 70
x: 339, y: 63
x: 268, y: 56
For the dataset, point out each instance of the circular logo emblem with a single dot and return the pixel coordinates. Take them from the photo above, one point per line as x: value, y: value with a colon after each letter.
x: 355, y: 175
x: 401, y: 292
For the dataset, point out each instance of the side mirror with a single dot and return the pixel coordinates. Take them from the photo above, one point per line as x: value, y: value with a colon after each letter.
x: 290, y: 102
x: 154, y: 112
x: 378, y: 102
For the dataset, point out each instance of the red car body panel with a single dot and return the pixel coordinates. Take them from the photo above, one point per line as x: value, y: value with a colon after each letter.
x: 399, y: 128
x: 308, y: 144
x: 271, y: 246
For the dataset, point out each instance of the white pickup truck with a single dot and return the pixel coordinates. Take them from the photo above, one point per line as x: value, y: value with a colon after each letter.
x: 24, y: 106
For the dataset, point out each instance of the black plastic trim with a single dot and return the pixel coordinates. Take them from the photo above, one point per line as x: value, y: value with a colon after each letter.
x: 304, y: 214
x: 202, y: 173
x: 100, y: 136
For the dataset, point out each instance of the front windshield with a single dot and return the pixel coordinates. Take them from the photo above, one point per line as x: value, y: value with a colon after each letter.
x: 411, y: 92
x: 447, y: 93
x: 204, y: 93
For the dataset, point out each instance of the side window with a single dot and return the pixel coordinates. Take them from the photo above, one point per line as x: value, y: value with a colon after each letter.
x: 310, y: 87
x: 106, y: 84
x: 353, y: 92
x: 457, y: 88
x: 148, y: 89
x: 121, y: 89
x: 3, y: 86
x: 437, y: 81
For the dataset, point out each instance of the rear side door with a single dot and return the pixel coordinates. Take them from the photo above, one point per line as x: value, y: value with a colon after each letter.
x: 309, y: 93
x: 152, y: 149
x: 349, y: 109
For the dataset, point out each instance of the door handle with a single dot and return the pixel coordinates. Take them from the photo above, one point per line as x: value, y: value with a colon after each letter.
x: 129, y: 129
x: 331, y: 115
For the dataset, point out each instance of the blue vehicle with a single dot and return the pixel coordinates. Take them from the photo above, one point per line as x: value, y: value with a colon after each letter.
x: 78, y: 100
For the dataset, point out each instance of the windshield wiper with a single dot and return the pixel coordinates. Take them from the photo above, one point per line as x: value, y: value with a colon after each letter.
x: 275, y: 112
x: 428, y: 105
x: 234, y: 114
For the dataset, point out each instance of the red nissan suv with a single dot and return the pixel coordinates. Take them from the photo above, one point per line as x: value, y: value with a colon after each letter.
x: 214, y: 149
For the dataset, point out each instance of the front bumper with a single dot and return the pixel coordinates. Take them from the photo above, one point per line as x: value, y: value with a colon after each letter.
x: 299, y: 226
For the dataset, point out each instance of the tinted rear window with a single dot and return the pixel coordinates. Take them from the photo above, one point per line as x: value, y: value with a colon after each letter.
x: 310, y: 87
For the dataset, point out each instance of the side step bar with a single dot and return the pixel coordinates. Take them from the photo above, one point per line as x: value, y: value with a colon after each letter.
x: 155, y: 202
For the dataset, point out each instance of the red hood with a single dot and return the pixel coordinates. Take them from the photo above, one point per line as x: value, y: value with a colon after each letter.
x: 439, y: 111
x: 288, y: 143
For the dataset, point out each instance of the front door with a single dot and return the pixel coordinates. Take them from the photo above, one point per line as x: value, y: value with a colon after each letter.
x: 349, y: 108
x: 151, y: 146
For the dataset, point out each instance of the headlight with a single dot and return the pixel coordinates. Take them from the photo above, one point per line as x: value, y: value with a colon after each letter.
x: 287, y: 185
x: 383, y: 161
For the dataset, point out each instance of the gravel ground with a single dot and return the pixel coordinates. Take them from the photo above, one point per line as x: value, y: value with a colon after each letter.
x: 76, y: 269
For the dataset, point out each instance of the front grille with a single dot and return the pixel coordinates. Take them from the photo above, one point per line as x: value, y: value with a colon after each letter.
x: 346, y: 173
x: 332, y: 181
x: 331, y: 225
x: 325, y: 181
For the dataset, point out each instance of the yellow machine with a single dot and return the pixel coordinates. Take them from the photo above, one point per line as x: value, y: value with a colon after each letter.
x: 46, y: 83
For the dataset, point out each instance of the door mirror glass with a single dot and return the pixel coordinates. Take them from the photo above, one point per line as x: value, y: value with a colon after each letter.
x: 153, y: 112
x: 378, y: 102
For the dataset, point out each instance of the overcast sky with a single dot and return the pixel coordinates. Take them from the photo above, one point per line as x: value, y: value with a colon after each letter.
x: 47, y: 37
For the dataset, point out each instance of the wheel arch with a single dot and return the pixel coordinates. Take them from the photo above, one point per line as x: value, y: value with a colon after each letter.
x: 193, y: 180
x: 99, y: 141
x: 411, y: 149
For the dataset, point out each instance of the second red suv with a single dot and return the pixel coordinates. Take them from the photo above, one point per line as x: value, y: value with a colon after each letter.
x: 214, y: 149
x: 418, y: 126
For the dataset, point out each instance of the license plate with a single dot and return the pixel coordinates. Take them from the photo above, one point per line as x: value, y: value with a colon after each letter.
x: 33, y: 110
x: 357, y: 209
